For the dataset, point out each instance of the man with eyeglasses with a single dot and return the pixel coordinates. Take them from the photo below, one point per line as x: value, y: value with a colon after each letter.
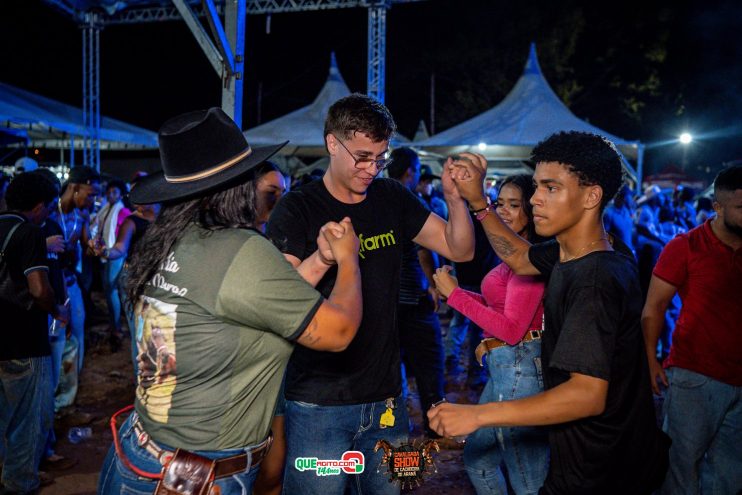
x: 348, y: 401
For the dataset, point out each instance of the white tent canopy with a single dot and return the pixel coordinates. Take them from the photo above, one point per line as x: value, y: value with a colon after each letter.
x: 528, y: 114
x: 303, y: 127
x: 42, y: 122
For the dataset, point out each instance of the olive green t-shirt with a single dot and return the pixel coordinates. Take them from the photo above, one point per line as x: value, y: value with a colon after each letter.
x: 214, y: 332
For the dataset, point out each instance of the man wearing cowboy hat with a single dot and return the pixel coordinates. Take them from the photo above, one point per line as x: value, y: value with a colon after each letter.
x: 348, y: 401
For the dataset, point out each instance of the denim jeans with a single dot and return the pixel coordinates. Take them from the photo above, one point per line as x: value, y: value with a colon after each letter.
x: 77, y: 320
x: 515, y: 373
x: 56, y: 343
x: 25, y: 418
x: 459, y: 329
x: 131, y: 321
x: 703, y: 417
x: 116, y: 478
x: 110, y: 276
x: 326, y: 432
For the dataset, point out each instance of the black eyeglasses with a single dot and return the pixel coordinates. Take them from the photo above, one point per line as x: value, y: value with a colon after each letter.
x: 381, y: 163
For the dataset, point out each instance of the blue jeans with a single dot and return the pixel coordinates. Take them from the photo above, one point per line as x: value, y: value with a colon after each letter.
x: 131, y: 320
x: 25, y: 419
x: 703, y: 417
x: 116, y: 478
x: 56, y: 343
x: 515, y: 373
x: 326, y: 432
x: 459, y: 329
x: 110, y: 276
x: 77, y: 320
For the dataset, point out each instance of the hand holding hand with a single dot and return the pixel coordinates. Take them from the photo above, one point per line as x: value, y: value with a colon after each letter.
x: 468, y: 171
x: 444, y: 281
x: 342, y: 240
x: 323, y: 246
x: 452, y: 420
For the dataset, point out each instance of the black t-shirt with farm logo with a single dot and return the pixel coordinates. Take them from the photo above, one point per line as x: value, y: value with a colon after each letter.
x: 368, y: 370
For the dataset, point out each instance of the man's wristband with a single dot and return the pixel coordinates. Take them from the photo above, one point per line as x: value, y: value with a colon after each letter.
x: 323, y: 260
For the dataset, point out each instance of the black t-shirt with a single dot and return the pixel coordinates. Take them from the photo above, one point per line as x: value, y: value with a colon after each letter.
x: 368, y: 370
x: 56, y: 276
x: 413, y: 282
x: 23, y: 332
x: 592, y: 320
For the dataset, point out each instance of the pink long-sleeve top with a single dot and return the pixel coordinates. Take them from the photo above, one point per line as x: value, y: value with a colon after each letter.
x: 508, y: 307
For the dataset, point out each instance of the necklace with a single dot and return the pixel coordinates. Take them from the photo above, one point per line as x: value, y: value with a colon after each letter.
x: 584, y: 249
x: 63, y: 221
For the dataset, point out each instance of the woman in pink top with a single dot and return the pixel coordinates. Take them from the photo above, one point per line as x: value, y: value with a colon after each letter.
x: 510, y: 311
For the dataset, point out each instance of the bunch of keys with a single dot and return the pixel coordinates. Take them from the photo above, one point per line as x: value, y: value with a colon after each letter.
x: 387, y: 419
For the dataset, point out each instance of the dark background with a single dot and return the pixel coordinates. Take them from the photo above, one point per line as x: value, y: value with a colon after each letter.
x: 640, y: 70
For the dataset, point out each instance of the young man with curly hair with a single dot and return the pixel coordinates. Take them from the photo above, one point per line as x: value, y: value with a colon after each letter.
x: 597, y: 400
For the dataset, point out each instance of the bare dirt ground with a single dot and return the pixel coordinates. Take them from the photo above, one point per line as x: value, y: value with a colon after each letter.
x: 107, y: 385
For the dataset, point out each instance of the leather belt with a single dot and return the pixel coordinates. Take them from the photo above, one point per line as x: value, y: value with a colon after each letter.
x: 487, y: 345
x: 223, y: 467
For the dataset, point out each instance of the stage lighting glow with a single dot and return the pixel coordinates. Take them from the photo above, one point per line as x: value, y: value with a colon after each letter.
x: 686, y: 138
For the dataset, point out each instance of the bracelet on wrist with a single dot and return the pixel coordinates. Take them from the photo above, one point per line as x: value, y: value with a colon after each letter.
x: 480, y: 209
x: 324, y: 261
x: 482, y: 214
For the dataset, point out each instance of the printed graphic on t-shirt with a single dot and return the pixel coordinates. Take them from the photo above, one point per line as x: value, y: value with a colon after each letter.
x: 373, y: 242
x: 155, y: 340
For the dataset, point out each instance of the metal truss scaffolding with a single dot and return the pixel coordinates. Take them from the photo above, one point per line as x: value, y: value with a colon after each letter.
x: 225, y: 53
x: 91, y: 90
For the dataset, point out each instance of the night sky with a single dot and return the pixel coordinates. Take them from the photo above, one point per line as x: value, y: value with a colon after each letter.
x: 639, y: 70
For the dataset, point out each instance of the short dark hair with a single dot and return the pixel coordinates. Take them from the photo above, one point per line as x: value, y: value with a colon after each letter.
x: 592, y: 158
x: 265, y: 167
x: 27, y: 190
x: 729, y: 179
x: 50, y: 176
x: 402, y: 160
x: 82, y: 175
x: 359, y: 113
x: 118, y: 184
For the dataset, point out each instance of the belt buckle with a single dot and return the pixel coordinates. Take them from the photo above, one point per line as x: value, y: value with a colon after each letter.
x: 535, y: 334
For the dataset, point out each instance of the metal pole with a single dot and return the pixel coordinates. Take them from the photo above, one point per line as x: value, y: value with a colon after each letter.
x: 376, y: 50
x: 96, y: 95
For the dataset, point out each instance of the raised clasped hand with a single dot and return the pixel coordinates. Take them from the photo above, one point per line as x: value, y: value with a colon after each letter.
x: 468, y: 171
x: 342, y: 239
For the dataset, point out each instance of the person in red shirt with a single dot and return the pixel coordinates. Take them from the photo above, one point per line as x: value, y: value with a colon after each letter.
x: 703, y: 408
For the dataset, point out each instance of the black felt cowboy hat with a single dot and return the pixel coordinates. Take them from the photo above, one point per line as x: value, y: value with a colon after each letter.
x: 201, y: 152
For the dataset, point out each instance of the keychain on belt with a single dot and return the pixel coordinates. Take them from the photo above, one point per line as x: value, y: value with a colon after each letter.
x: 387, y: 419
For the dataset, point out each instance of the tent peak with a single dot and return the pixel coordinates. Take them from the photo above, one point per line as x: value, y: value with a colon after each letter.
x: 532, y: 65
x: 334, y: 71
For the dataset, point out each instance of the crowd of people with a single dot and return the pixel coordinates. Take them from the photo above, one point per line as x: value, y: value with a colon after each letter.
x: 272, y: 321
